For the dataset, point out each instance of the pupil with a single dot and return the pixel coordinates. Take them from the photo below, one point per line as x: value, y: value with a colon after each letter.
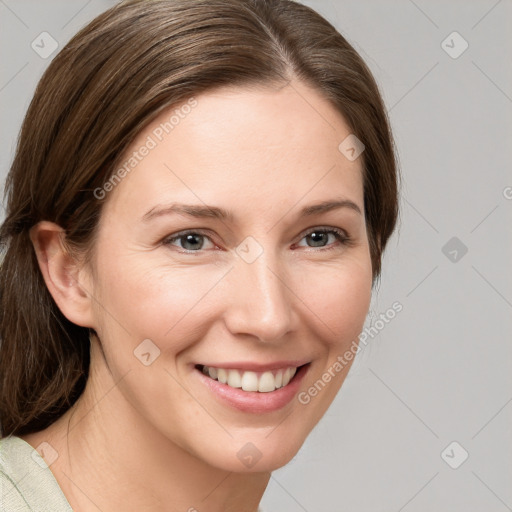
x: 319, y: 238
x: 192, y: 239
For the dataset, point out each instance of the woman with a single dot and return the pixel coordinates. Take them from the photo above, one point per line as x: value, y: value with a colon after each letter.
x: 196, y: 214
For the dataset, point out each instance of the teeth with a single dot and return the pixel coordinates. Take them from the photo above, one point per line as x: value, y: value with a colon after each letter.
x: 279, y: 379
x: 222, y: 375
x: 288, y: 375
x: 234, y: 379
x: 251, y: 381
x: 267, y: 383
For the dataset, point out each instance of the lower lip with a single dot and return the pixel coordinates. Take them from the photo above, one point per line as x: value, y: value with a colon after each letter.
x: 255, y: 401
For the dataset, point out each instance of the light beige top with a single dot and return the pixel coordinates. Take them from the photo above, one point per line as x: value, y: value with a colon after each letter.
x: 26, y: 482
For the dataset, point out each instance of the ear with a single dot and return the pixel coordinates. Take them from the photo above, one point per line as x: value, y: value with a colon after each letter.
x: 68, y: 283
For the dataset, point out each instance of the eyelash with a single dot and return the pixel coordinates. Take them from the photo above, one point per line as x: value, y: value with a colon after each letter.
x: 340, y: 235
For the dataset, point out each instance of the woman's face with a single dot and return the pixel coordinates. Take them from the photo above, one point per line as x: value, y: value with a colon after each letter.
x: 264, y: 286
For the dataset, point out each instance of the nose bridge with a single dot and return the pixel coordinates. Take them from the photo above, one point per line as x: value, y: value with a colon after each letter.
x: 260, y: 305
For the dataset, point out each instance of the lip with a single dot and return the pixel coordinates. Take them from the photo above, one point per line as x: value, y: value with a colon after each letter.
x: 254, y: 401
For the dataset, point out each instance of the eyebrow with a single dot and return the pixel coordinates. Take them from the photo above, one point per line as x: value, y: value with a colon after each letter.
x: 199, y: 211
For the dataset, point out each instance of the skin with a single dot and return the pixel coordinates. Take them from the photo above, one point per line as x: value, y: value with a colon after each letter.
x: 154, y: 437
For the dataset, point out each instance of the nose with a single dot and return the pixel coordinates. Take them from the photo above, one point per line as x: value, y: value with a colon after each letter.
x: 260, y: 300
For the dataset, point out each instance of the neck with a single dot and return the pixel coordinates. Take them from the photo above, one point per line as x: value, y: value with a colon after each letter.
x: 111, y: 458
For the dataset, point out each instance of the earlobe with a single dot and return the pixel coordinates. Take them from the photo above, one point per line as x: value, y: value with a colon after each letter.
x: 62, y: 273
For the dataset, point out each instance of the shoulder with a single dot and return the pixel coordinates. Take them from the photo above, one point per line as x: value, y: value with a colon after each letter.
x: 26, y: 482
x: 11, y: 497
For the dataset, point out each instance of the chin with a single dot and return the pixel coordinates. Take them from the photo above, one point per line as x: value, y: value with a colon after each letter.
x: 262, y: 451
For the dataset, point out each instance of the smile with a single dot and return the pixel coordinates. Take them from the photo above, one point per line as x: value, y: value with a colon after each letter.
x: 263, y: 382
x: 253, y: 388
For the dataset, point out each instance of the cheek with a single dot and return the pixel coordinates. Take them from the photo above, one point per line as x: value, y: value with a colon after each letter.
x: 161, y: 302
x: 339, y: 297
x: 339, y: 300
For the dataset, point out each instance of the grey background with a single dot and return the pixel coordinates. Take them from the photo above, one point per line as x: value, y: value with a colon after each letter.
x: 441, y: 370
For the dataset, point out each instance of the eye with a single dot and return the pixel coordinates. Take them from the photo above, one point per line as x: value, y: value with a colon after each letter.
x: 191, y: 241
x: 320, y: 236
x: 194, y: 241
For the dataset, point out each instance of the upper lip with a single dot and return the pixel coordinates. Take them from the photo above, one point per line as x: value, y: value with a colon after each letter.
x: 249, y: 366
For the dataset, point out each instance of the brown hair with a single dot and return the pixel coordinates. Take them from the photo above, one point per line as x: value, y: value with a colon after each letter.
x: 114, y: 77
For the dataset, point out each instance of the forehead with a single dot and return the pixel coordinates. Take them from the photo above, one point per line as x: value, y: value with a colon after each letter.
x: 249, y: 146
